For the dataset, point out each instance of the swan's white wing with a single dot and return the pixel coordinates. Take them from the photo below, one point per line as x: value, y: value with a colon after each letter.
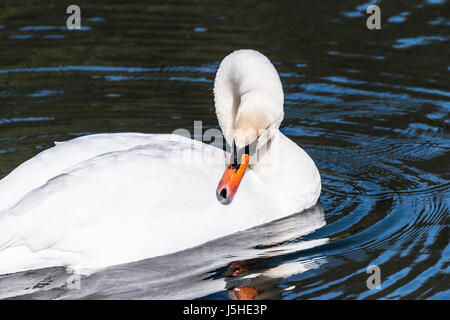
x: 51, y: 162
x: 128, y: 205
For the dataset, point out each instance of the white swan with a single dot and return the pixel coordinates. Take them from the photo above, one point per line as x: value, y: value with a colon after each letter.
x: 107, y: 199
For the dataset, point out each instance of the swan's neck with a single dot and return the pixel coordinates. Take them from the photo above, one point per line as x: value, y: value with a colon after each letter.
x: 288, y: 173
x: 267, y: 162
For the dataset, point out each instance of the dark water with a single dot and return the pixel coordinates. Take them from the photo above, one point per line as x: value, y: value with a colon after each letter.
x: 370, y: 107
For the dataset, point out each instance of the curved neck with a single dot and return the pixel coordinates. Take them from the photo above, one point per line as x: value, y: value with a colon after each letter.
x: 267, y: 157
x: 287, y: 172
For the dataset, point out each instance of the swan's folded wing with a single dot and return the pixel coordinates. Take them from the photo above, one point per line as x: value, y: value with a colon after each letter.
x: 56, y: 160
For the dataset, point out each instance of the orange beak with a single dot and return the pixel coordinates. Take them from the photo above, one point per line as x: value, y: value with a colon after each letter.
x: 231, y: 179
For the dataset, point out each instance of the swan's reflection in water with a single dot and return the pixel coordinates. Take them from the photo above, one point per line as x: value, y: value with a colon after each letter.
x: 251, y: 286
x: 244, y: 281
x: 232, y: 263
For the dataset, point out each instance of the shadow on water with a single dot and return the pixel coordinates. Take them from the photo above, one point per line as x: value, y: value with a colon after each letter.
x: 370, y: 107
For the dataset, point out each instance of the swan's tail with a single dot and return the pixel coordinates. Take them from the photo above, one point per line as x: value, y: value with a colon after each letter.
x: 16, y: 259
x: 10, y: 253
x: 14, y: 256
x: 6, y: 238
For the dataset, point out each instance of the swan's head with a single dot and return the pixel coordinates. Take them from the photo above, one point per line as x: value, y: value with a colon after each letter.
x: 248, y: 96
